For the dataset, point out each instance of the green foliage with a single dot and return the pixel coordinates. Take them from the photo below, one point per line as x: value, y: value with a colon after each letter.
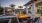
x: 12, y: 5
x: 41, y: 12
x: 14, y: 20
x: 29, y: 8
x: 20, y: 7
x: 1, y: 10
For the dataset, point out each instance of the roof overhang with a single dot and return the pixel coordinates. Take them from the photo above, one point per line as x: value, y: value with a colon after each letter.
x: 30, y: 2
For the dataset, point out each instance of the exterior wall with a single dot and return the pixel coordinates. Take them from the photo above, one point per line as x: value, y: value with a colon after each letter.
x: 10, y: 12
x: 37, y: 7
x: 33, y: 7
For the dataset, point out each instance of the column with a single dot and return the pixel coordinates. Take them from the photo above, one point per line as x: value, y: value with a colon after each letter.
x: 10, y: 21
x: 33, y: 8
x: 27, y: 10
x: 4, y: 11
x: 14, y: 11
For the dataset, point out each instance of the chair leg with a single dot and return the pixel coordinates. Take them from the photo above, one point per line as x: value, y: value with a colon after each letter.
x: 38, y: 21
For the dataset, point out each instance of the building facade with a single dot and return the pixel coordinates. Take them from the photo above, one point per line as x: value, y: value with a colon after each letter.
x: 36, y: 6
x: 8, y: 11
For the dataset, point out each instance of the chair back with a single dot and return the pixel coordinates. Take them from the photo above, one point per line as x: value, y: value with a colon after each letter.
x: 29, y: 21
x: 36, y: 19
x: 14, y: 20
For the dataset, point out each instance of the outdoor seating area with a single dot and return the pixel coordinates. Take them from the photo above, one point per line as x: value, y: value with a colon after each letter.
x: 24, y: 20
x: 20, y: 11
x: 4, y: 20
x: 19, y: 20
x: 31, y: 20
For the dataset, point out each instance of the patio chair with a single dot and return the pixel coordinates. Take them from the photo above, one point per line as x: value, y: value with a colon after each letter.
x: 4, y: 21
x: 20, y: 20
x: 29, y: 20
x: 14, y: 20
x: 36, y: 19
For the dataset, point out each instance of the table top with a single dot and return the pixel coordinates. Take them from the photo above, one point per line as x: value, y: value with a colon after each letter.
x: 24, y: 16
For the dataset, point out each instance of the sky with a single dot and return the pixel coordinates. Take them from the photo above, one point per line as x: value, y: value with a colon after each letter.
x: 6, y: 3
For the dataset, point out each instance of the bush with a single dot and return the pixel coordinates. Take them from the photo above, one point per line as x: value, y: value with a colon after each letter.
x: 41, y: 12
x: 14, y: 20
x: 1, y: 10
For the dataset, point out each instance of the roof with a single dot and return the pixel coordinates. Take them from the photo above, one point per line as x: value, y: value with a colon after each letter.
x: 28, y: 3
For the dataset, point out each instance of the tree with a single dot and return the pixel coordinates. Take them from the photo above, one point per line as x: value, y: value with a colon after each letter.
x: 13, y: 7
x: 1, y: 10
x: 14, y: 20
x: 20, y: 8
